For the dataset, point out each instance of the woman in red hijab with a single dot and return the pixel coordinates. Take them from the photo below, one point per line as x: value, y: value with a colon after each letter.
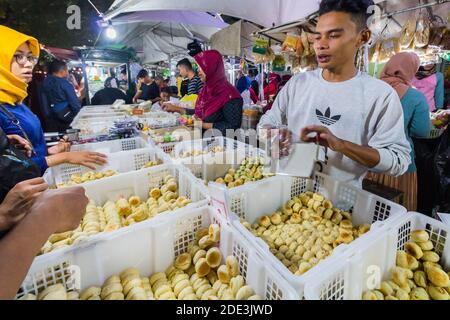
x: 219, y: 104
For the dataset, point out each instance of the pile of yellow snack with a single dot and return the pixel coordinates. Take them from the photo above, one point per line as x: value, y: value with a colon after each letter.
x: 194, y: 275
x: 250, y: 170
x: 152, y: 164
x: 305, y: 231
x: 195, y: 153
x: 417, y: 274
x: 86, y: 177
x: 124, y: 212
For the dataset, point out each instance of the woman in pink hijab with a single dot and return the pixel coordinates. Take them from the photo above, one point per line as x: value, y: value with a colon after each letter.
x: 219, y: 104
x: 399, y: 73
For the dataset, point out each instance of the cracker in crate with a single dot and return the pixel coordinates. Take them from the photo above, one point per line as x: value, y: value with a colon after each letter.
x: 305, y: 231
x: 195, y: 153
x: 86, y: 177
x: 417, y: 274
x: 122, y: 213
x: 250, y: 170
x: 194, y: 275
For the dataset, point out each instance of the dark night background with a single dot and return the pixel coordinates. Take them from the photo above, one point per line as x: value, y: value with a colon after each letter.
x: 46, y: 20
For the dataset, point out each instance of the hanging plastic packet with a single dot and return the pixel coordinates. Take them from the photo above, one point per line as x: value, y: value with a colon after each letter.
x: 260, y: 46
x: 286, y: 154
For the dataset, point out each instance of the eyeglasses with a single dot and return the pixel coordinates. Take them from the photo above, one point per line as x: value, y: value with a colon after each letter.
x: 23, y: 59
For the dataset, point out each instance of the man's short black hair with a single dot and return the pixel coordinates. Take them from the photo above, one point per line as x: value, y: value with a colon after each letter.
x: 358, y: 9
x: 142, y: 74
x: 57, y: 66
x: 166, y: 90
x: 185, y: 63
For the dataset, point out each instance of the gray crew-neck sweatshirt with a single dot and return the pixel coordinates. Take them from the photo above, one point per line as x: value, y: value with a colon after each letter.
x: 362, y: 110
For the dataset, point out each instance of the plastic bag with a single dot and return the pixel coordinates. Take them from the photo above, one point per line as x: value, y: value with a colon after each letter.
x: 290, y: 45
x: 407, y: 33
x: 422, y: 36
x: 268, y: 57
x: 279, y: 64
x: 388, y: 49
x: 308, y: 48
x: 261, y: 46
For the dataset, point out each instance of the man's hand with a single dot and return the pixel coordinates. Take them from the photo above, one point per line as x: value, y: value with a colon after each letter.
x: 21, y: 143
x: 364, y: 155
x: 86, y: 158
x: 323, y: 136
x: 62, y: 209
x: 279, y: 139
x: 18, y: 202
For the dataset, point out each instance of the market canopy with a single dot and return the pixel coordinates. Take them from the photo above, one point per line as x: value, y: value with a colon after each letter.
x: 158, y: 35
x: 263, y: 12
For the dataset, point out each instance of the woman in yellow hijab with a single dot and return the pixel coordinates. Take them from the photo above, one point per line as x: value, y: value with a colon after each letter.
x: 18, y: 55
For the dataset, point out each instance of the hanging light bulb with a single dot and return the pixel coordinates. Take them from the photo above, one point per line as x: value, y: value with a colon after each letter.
x: 111, y: 33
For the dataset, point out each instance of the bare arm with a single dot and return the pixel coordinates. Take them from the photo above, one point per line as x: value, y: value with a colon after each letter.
x: 84, y: 158
x: 54, y: 211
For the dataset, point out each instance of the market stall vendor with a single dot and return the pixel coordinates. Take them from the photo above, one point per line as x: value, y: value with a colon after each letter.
x: 18, y: 55
x: 219, y: 104
x: 359, y: 119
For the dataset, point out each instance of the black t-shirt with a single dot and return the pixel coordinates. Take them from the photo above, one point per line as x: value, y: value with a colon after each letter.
x: 108, y: 96
x: 150, y: 91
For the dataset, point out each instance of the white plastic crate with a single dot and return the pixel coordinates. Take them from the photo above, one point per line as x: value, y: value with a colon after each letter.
x: 374, y: 259
x: 112, y: 146
x: 152, y: 249
x: 436, y: 133
x: 87, y: 121
x: 208, y: 145
x: 169, y: 147
x: 120, y: 162
x: 139, y: 183
x: 252, y: 201
x: 161, y: 119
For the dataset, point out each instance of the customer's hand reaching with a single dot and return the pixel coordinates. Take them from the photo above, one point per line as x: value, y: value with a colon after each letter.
x: 86, y: 158
x: 19, y: 200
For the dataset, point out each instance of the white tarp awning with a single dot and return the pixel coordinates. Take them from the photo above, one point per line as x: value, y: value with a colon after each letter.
x: 235, y: 40
x: 158, y: 35
x: 263, y: 12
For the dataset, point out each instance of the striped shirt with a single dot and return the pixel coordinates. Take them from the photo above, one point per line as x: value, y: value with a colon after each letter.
x: 195, y: 85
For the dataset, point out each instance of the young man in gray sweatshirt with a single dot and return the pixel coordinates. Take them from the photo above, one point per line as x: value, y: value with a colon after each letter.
x: 358, y: 118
